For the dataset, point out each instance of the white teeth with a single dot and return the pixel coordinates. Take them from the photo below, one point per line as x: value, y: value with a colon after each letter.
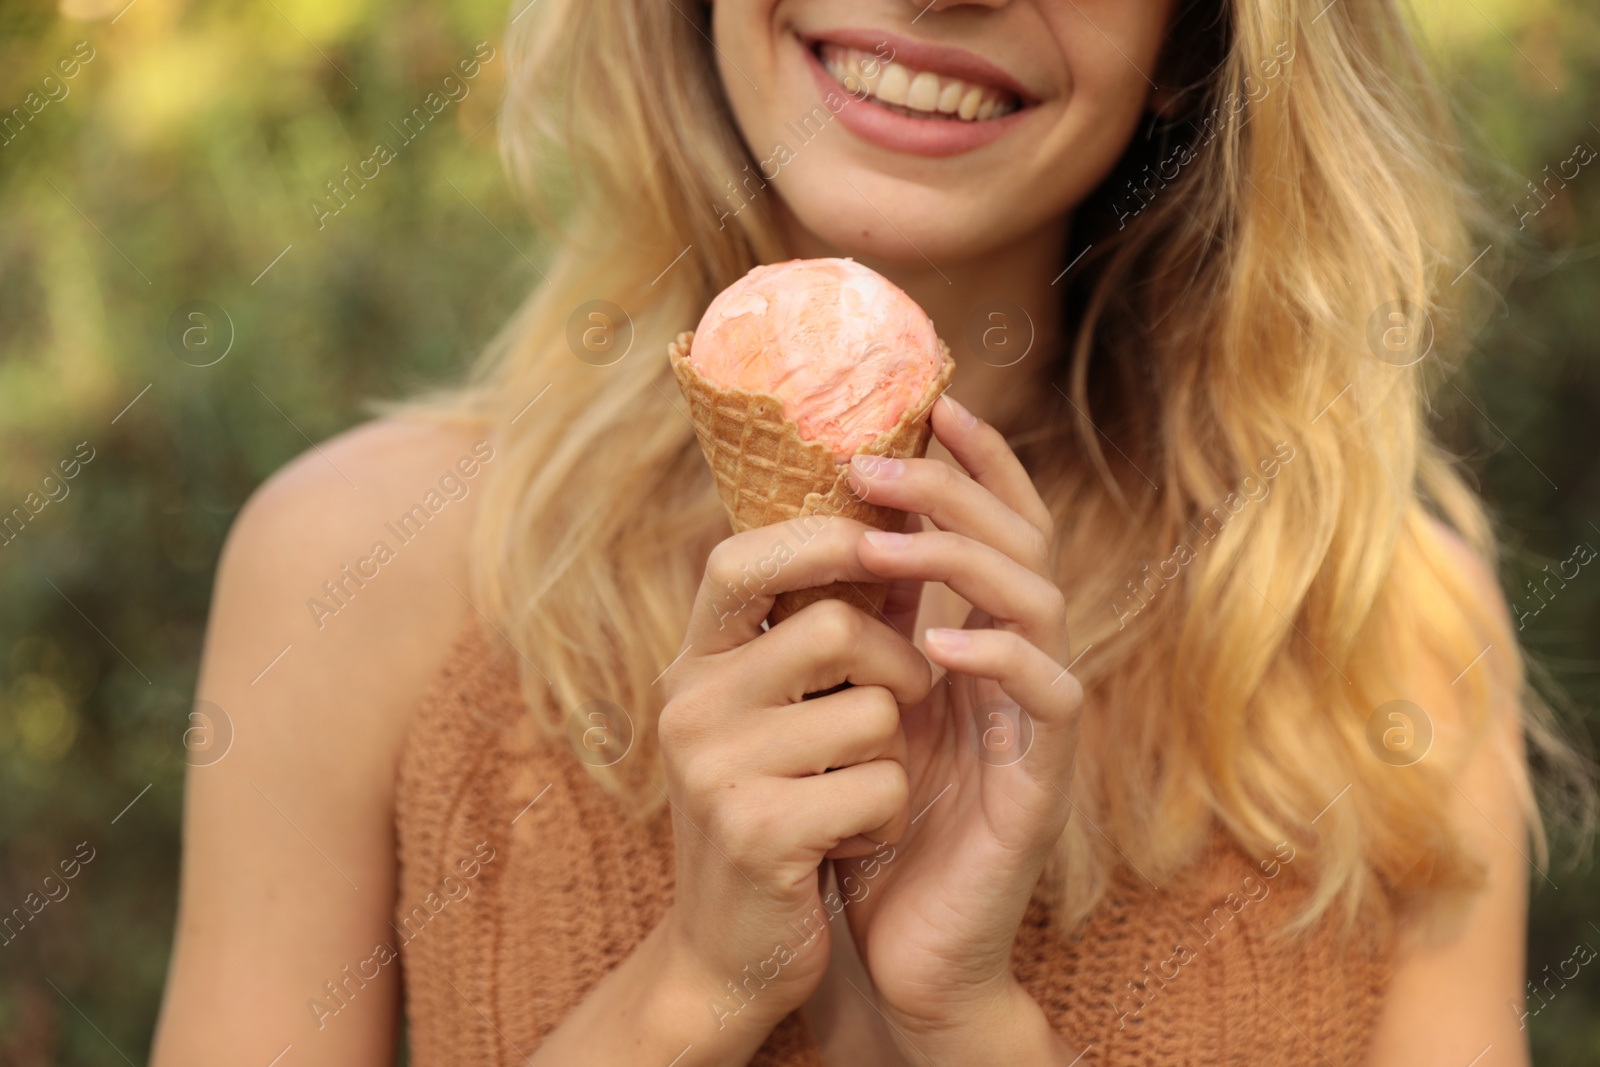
x: 914, y: 92
x: 894, y: 85
x: 871, y: 73
x: 924, y: 92
x: 969, y: 103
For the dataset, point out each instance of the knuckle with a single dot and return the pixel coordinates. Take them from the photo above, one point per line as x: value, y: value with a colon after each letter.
x: 1035, y: 542
x: 745, y: 829
x: 1007, y: 650
x: 939, y: 545
x: 942, y: 476
x: 1045, y: 522
x: 698, y: 776
x: 922, y: 683
x: 721, y: 562
x: 680, y: 735
x: 1014, y: 650
x: 894, y: 788
x: 1046, y: 603
x: 835, y: 626
x: 1057, y: 605
x: 681, y: 725
x: 881, y: 715
x: 825, y: 538
x: 679, y: 677
x: 1072, y: 694
x: 671, y: 729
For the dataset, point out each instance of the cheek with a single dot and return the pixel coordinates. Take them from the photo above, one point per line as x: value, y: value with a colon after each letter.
x: 1112, y: 51
x: 1132, y: 33
x: 746, y: 57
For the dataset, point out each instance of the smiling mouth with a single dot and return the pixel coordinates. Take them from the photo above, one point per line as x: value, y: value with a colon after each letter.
x: 921, y: 94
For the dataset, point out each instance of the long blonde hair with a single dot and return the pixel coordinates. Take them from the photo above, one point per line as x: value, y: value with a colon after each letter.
x: 1243, y: 637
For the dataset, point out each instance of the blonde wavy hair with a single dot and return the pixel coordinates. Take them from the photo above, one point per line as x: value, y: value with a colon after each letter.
x: 1222, y: 328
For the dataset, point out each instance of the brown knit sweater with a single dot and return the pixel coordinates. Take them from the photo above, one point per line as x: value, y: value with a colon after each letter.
x: 523, y: 883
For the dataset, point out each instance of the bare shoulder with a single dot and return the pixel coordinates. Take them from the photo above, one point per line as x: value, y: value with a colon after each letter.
x: 1456, y: 994
x: 1492, y: 621
x: 1484, y: 754
x: 366, y: 474
x: 1477, y: 570
x: 341, y: 589
x: 348, y: 566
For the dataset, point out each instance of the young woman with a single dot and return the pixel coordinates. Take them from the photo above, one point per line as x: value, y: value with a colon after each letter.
x: 1193, y: 731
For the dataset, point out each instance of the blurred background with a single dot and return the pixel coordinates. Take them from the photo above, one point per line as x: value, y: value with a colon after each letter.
x: 185, y: 305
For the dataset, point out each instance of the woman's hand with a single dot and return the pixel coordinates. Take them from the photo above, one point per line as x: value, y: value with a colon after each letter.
x: 765, y: 785
x: 990, y: 751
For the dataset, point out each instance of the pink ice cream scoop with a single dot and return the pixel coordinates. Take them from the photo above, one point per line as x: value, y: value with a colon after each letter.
x: 844, y: 348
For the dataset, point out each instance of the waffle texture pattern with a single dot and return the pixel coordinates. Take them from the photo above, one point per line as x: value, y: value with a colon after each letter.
x: 766, y: 473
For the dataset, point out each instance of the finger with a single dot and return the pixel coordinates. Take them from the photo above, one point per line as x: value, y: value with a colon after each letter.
x: 746, y: 572
x: 987, y: 579
x: 857, y: 847
x: 951, y: 500
x: 983, y: 451
x: 1040, y: 685
x: 856, y: 725
x: 901, y: 605
x: 866, y: 801
x: 822, y: 645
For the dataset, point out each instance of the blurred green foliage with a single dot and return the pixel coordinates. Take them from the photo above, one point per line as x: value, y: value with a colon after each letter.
x: 179, y: 163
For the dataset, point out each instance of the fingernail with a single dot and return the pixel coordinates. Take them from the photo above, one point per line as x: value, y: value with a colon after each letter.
x: 965, y: 417
x: 950, y: 640
x: 893, y: 542
x: 877, y: 466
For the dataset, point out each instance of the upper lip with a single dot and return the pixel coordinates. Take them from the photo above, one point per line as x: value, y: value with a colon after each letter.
x: 920, y: 55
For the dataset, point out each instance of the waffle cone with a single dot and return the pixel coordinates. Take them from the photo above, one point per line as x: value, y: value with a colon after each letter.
x: 766, y: 473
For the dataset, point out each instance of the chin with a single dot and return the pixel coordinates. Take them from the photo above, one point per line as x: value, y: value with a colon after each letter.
x: 849, y: 210
x: 926, y: 141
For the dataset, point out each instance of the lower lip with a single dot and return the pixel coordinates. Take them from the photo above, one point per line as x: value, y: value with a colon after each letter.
x: 901, y: 133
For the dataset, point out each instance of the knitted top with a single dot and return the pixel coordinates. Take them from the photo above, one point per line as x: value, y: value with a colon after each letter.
x: 523, y: 882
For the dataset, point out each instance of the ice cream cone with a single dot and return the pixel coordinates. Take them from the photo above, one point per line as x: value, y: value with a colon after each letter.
x: 766, y: 473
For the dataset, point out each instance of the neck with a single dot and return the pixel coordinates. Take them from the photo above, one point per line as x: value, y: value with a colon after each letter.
x: 984, y: 308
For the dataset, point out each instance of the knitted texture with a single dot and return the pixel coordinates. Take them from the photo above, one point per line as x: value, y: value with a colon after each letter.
x: 1196, y: 972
